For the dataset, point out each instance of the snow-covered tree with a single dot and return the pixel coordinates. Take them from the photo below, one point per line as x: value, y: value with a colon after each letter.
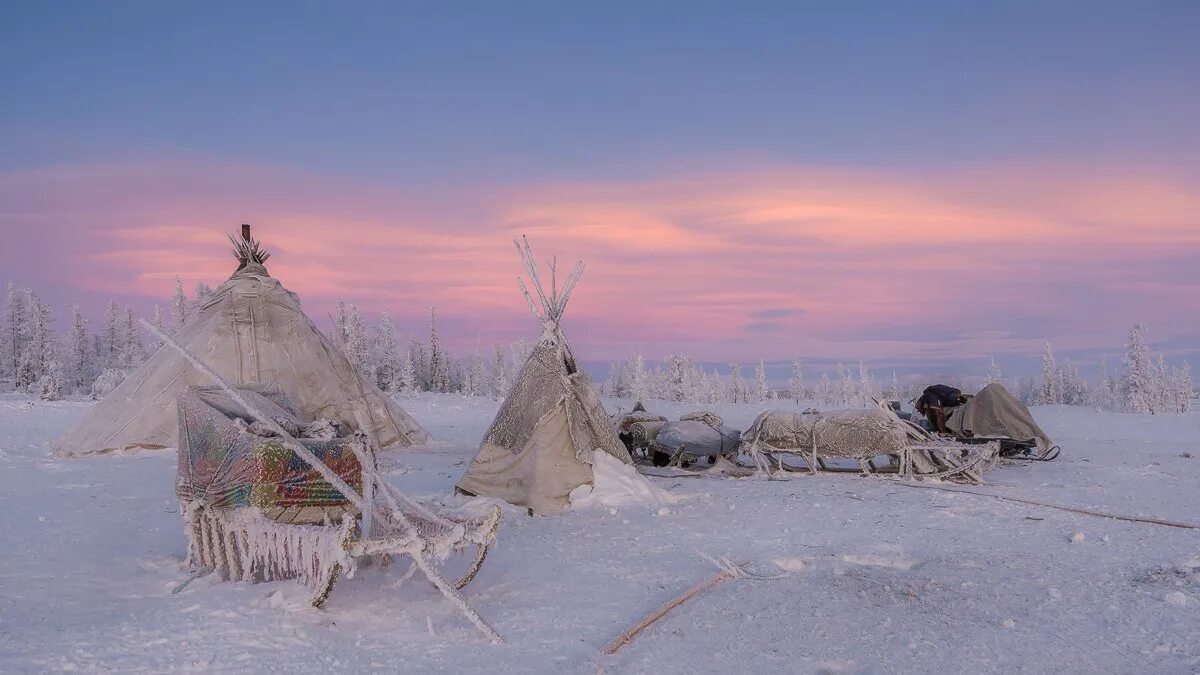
x: 1164, y: 393
x: 409, y: 382
x: 682, y: 379
x: 51, y: 385
x: 762, y: 391
x: 112, y: 335
x: 477, y: 375
x: 340, y: 323
x: 1074, y: 389
x: 1102, y: 395
x: 1027, y: 390
x: 108, y: 380
x: 1183, y: 388
x: 78, y: 372
x: 37, y: 353
x: 355, y: 344
x: 132, y: 351
x: 385, y: 355
x: 738, y: 392
x: 639, y: 386
x: 1051, y: 386
x: 796, y: 382
x: 993, y: 372
x: 894, y: 392
x: 179, y: 308
x: 866, y: 386
x: 845, y: 393
x: 825, y: 392
x: 416, y: 354
x: 157, y: 321
x: 499, y: 375
x: 1139, y: 385
x: 15, y: 331
x: 203, y: 293
x: 439, y: 367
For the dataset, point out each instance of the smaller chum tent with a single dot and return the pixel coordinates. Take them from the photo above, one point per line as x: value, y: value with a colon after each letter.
x: 541, y: 445
x: 994, y: 413
x: 253, y: 333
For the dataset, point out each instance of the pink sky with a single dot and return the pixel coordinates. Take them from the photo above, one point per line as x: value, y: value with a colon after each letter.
x: 754, y: 261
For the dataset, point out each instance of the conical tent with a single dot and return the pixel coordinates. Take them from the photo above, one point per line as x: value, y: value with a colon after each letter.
x: 542, y: 442
x: 254, y: 334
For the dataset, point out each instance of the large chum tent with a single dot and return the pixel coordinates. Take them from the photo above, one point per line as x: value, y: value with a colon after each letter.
x: 254, y: 334
x: 542, y: 443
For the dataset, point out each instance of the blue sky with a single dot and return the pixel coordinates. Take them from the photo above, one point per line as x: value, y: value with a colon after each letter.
x: 1044, y: 155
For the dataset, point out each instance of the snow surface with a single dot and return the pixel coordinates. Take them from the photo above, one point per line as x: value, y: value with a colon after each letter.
x: 873, y: 576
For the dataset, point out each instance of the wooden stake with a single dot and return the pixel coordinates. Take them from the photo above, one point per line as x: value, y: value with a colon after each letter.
x: 624, y: 638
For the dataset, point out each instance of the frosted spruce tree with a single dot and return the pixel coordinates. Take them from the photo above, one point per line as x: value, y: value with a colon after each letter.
x: 477, y: 376
x: 866, y: 386
x: 112, y: 336
x: 738, y: 392
x: 796, y: 382
x: 179, y: 308
x: 993, y: 372
x: 14, y: 330
x: 894, y: 393
x: 203, y: 293
x: 78, y: 373
x: 1183, y: 388
x: 845, y: 386
x: 385, y: 355
x: 1050, y: 392
x: 409, y: 383
x: 158, y: 324
x: 356, y: 341
x: 499, y: 375
x: 416, y: 353
x: 38, y: 350
x: 439, y: 366
x: 639, y: 387
x: 339, y: 324
x: 825, y: 393
x: 132, y: 351
x: 1138, y: 386
x: 1074, y: 388
x: 1163, y: 393
x: 762, y: 391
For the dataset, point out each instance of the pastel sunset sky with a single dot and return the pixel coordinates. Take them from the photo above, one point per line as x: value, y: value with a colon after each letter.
x: 923, y: 183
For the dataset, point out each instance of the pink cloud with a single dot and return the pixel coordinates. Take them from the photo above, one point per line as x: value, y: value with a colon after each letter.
x: 834, y: 258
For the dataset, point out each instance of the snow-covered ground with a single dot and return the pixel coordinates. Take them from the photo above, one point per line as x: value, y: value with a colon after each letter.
x: 880, y: 577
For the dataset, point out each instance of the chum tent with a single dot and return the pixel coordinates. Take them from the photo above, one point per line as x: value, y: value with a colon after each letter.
x: 254, y: 334
x: 541, y: 445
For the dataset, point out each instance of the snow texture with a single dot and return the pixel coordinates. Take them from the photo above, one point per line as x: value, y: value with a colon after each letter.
x: 94, y: 548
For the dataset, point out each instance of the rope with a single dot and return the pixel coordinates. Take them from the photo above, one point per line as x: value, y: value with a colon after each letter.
x: 1086, y: 512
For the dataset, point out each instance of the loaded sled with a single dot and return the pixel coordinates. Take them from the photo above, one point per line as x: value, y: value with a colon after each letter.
x: 266, y: 497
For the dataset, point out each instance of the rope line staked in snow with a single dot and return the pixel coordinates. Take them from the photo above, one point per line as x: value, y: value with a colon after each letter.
x: 1071, y: 509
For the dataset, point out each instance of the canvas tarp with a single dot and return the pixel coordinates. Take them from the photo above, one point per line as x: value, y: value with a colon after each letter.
x: 540, y: 445
x: 697, y: 434
x: 996, y: 414
x: 254, y: 334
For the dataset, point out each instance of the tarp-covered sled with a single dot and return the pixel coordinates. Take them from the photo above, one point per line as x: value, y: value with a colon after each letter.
x: 996, y: 415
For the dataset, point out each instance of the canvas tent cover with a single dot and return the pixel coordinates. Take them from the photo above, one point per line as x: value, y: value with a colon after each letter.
x: 996, y: 414
x: 254, y: 334
x: 222, y: 464
x: 541, y: 443
x: 850, y: 434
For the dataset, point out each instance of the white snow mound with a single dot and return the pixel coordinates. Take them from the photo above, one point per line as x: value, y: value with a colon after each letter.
x: 615, y: 483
